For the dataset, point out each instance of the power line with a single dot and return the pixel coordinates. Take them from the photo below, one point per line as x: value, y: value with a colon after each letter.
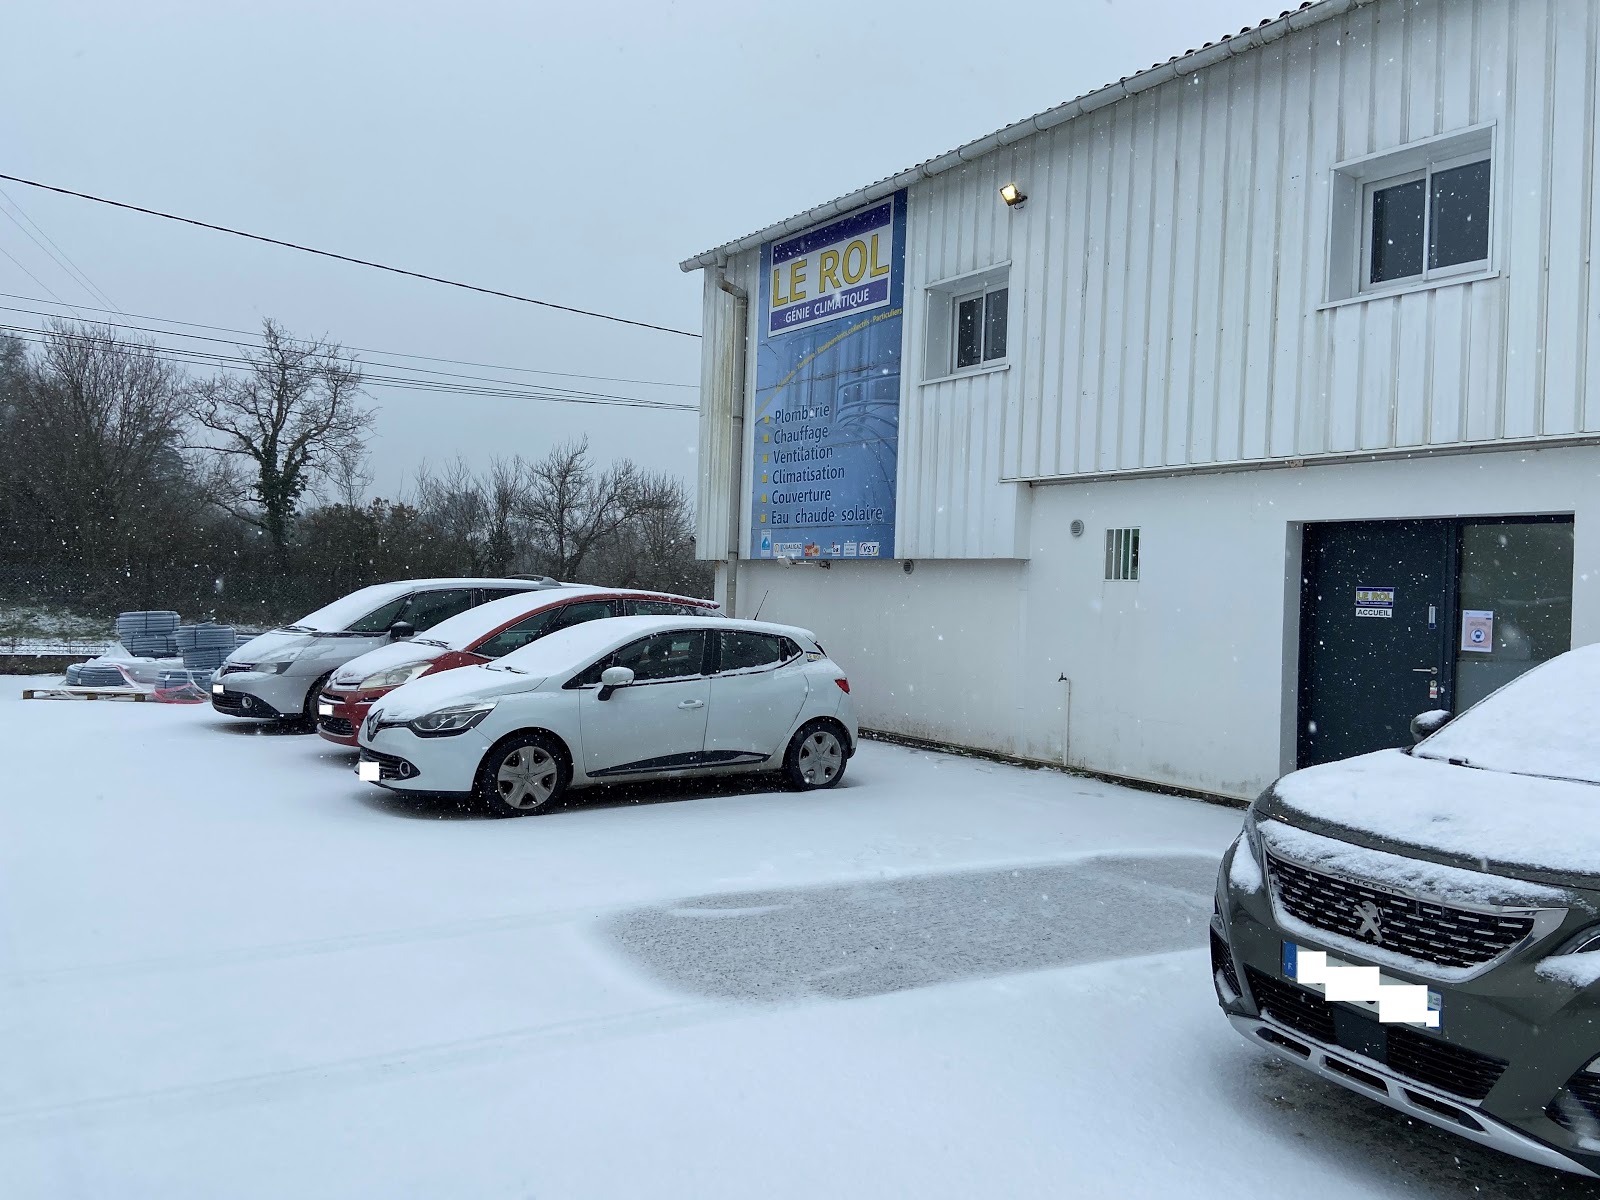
x: 455, y: 362
x: 255, y: 344
x: 185, y: 356
x: 35, y: 278
x: 360, y: 262
x: 61, y: 257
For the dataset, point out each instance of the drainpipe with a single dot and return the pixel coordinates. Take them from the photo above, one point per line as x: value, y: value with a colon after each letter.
x: 732, y: 372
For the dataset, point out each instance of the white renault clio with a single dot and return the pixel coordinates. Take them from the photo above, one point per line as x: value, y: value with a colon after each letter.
x: 622, y: 699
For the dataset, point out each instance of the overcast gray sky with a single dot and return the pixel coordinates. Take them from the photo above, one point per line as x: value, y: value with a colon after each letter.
x: 571, y: 152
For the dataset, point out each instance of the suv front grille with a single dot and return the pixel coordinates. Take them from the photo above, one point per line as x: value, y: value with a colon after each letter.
x: 1453, y: 1069
x: 1577, y: 1106
x: 1222, y: 960
x: 1436, y: 933
x: 1296, y: 1007
x: 1441, y: 1065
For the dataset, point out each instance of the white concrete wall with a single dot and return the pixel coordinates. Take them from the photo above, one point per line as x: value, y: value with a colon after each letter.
x: 1187, y: 677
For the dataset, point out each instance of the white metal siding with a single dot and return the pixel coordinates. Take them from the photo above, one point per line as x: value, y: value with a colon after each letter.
x: 1169, y: 264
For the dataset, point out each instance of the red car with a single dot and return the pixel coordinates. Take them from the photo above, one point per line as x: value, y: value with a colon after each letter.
x: 478, y: 636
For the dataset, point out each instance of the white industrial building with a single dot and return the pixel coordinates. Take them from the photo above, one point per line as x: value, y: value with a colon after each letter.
x: 1213, y: 422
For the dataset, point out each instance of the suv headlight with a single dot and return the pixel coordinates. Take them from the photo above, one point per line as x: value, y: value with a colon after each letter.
x: 395, y: 676
x: 458, y: 718
x: 278, y: 666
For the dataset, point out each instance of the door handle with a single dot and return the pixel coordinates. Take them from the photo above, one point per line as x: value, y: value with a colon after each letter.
x: 691, y: 704
x: 1425, y: 670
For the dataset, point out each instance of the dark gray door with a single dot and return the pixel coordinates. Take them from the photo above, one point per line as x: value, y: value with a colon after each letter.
x: 1377, y: 605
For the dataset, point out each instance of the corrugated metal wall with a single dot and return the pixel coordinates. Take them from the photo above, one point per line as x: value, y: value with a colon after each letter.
x: 1169, y: 268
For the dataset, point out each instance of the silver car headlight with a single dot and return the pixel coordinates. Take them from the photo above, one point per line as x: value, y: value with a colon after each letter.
x: 395, y: 676
x: 277, y: 667
x: 458, y: 718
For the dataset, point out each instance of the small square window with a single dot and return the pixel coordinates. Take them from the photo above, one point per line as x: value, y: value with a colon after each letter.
x: 1428, y: 223
x: 967, y: 322
x: 1413, y: 215
x: 1122, y: 554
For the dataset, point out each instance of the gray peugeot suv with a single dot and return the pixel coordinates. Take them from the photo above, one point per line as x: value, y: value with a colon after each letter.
x: 1422, y: 925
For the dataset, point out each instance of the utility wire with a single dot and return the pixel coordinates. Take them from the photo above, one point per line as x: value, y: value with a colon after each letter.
x: 360, y: 262
x: 185, y: 356
x: 253, y: 344
x: 61, y: 257
x: 36, y: 279
x: 248, y: 333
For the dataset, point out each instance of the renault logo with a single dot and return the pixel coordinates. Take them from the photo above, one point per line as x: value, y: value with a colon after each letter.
x: 1371, y: 921
x: 372, y: 724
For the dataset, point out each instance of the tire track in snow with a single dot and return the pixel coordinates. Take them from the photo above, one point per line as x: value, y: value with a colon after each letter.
x: 273, y: 951
x: 318, y: 1078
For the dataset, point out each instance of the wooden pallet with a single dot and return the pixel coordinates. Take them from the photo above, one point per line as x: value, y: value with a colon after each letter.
x: 85, y: 694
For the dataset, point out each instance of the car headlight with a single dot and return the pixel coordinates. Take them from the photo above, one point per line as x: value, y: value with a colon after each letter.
x: 458, y: 718
x: 395, y: 676
x: 1588, y: 939
x: 278, y: 667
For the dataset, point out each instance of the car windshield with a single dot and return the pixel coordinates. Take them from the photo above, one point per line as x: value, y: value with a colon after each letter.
x: 349, y: 611
x: 1542, y: 723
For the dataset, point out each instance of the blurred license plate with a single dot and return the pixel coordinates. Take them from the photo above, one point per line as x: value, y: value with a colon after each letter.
x: 216, y: 689
x: 325, y: 710
x: 1291, y: 970
x: 368, y: 770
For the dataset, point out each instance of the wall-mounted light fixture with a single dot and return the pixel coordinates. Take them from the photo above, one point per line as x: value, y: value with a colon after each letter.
x: 1012, y: 195
x: 784, y: 561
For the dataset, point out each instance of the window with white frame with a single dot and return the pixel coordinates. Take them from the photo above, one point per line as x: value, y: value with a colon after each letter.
x: 968, y: 319
x: 1419, y: 214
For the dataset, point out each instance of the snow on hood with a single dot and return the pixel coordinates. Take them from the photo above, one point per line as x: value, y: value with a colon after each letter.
x: 1396, y: 871
x: 433, y: 692
x: 384, y: 658
x: 1485, y: 817
x: 1541, y: 723
x: 269, y: 647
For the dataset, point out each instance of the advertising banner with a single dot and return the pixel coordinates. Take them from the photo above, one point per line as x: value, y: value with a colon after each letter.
x: 827, y: 413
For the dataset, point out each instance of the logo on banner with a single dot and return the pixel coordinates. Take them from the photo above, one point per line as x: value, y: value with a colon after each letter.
x: 838, y: 269
x: 766, y: 545
x: 869, y: 549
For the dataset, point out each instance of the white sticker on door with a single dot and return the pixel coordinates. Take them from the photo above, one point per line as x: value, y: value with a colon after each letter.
x: 1374, y: 602
x: 1477, y: 630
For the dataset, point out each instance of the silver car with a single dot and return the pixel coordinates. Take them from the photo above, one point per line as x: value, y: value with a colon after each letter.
x: 277, y: 676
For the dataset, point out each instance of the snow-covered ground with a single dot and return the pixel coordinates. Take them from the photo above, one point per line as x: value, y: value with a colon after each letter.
x: 229, y: 969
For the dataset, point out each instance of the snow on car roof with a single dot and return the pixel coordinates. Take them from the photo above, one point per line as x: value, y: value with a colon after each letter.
x: 463, y: 629
x: 332, y: 618
x: 569, y: 649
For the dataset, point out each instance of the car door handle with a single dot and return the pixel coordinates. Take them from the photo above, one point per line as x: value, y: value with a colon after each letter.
x: 691, y: 704
x: 1425, y: 670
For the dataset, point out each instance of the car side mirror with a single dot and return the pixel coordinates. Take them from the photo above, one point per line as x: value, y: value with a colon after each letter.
x: 1428, y: 723
x: 613, y: 678
x: 401, y: 630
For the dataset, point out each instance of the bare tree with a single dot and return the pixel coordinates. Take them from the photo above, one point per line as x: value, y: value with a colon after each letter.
x: 292, y: 420
x: 93, y: 432
x: 572, y: 506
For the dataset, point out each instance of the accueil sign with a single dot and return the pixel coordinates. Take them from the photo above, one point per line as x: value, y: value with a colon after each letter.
x: 833, y: 270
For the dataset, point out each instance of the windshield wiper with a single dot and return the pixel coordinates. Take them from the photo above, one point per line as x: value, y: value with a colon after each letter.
x: 298, y: 629
x: 430, y: 642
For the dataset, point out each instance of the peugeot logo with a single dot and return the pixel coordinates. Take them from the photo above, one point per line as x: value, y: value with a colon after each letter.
x: 372, y: 724
x: 1371, y: 921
